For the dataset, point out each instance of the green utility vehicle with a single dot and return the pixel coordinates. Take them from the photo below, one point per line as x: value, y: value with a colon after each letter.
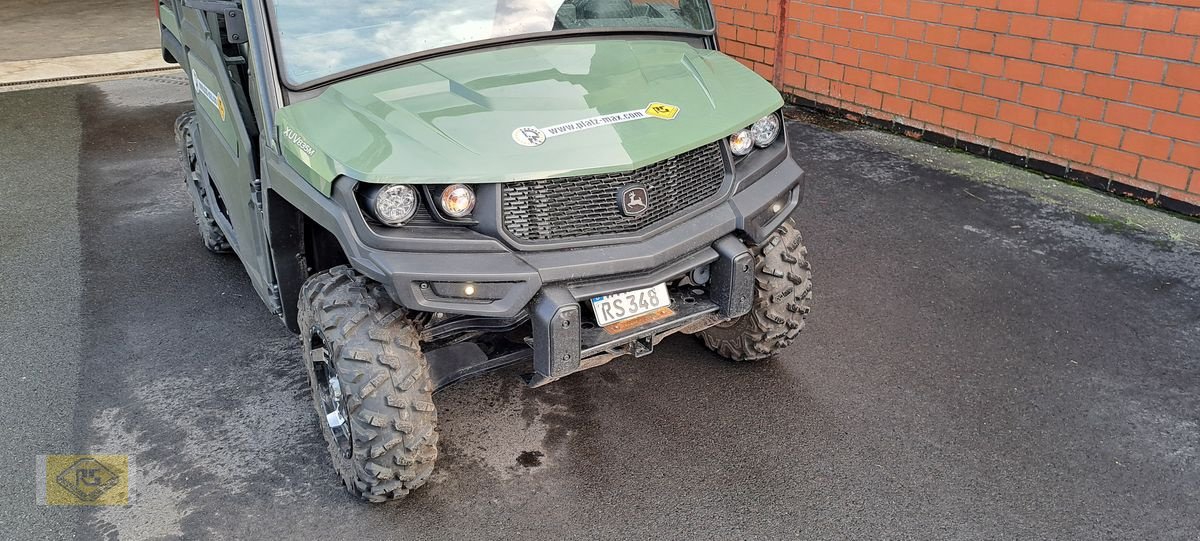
x: 425, y: 191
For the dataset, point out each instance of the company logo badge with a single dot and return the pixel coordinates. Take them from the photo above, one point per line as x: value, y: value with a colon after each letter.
x: 83, y: 480
x: 634, y: 200
x: 662, y: 110
x: 529, y: 136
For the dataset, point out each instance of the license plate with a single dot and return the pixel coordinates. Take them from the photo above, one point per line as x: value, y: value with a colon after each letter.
x: 610, y: 309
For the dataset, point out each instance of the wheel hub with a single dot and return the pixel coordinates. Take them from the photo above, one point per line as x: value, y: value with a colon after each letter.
x: 333, y: 401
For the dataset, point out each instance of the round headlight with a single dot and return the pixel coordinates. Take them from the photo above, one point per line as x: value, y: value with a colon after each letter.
x: 741, y: 143
x: 458, y: 200
x: 393, y: 205
x: 765, y: 131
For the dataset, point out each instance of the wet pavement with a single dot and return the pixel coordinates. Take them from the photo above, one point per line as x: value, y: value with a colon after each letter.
x: 980, y: 363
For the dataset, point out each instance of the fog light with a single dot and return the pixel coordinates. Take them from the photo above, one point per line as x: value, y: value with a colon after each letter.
x: 765, y: 131
x: 741, y: 143
x: 776, y: 208
x: 469, y: 290
x: 458, y: 200
x: 392, y: 205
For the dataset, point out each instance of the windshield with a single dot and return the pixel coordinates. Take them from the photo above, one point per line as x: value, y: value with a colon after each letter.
x: 319, y: 38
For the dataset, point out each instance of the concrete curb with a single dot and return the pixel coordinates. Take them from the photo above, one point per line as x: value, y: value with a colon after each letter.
x: 45, y: 72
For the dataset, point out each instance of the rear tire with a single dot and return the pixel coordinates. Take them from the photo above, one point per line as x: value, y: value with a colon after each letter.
x: 370, y: 385
x: 782, y: 297
x: 214, y: 239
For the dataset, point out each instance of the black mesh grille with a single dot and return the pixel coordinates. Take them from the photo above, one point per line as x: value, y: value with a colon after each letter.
x: 579, y: 207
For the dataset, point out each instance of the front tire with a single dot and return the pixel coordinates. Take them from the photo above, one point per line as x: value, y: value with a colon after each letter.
x: 782, y: 299
x: 370, y: 385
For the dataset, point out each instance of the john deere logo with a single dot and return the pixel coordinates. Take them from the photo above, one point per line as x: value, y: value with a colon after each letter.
x: 662, y: 110
x: 634, y: 200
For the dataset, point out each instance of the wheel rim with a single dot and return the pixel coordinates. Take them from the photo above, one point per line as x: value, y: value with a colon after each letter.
x: 332, y: 400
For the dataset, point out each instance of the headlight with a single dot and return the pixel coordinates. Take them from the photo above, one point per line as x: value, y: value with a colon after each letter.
x: 765, y: 131
x: 458, y: 200
x: 741, y: 143
x: 392, y: 205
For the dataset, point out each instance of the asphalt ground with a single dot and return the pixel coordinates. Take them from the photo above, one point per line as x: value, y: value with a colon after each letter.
x: 980, y: 363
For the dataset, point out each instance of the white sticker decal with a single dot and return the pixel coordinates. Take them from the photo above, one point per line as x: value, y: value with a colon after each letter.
x: 291, y: 135
x: 207, y: 92
x: 531, y: 136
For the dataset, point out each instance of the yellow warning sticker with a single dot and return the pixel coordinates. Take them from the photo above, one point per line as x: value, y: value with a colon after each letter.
x: 662, y: 110
x: 84, y: 480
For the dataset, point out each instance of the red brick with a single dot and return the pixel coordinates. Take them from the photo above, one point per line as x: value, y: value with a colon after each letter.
x: 1021, y: 6
x: 945, y: 97
x: 1190, y: 104
x: 902, y: 68
x: 920, y: 52
x: 1119, y: 39
x: 852, y: 20
x: 1101, y: 134
x: 1083, y: 106
x: 1029, y: 26
x: 857, y: 77
x: 897, y: 105
x: 942, y: 35
x: 1147, y: 145
x: 993, y: 129
x: 824, y: 51
x: 895, y: 9
x: 1064, y: 79
x: 934, y: 75
x: 831, y: 70
x: 1168, y: 46
x: 1106, y: 87
x: 816, y: 84
x: 1102, y: 11
x: 1128, y: 116
x: 1095, y: 60
x: 1186, y: 154
x: 958, y: 16
x: 824, y: 15
x: 1053, y: 53
x: 986, y: 64
x: 958, y: 120
x: 966, y: 81
x: 810, y: 31
x: 927, y: 113
x: 1073, y: 32
x: 914, y: 90
x: 1116, y: 160
x: 1015, y: 47
x: 1018, y: 114
x: 1167, y: 174
x: 880, y: 25
x: 1056, y: 123
x: 886, y: 84
x: 1136, y: 67
x: 1020, y: 70
x: 836, y: 36
x: 924, y: 11
x: 1188, y: 23
x: 1066, y: 9
x: 1150, y: 17
x: 1183, y: 75
x: 976, y: 40
x: 846, y: 55
x: 1156, y: 96
x: 872, y: 61
x: 1179, y: 127
x: 955, y: 58
x: 743, y: 18
x: 1072, y: 150
x: 869, y: 98
x: 1042, y: 98
x: 992, y: 21
x: 988, y: 4
x: 980, y: 105
x: 863, y: 41
x: 1002, y: 89
x: 1031, y: 140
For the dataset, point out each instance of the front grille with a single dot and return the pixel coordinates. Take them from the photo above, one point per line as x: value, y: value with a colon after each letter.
x: 587, y: 206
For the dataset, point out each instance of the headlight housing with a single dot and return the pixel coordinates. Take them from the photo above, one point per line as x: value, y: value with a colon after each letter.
x: 393, y: 204
x: 741, y: 143
x: 458, y: 200
x: 766, y: 130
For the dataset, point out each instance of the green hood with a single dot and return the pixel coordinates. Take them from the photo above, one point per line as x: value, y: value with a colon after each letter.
x: 453, y: 119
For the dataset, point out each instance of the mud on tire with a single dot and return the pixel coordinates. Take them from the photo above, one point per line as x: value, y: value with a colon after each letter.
x: 214, y: 239
x: 349, y: 324
x: 781, y: 301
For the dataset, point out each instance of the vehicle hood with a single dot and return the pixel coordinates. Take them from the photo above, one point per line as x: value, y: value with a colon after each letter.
x: 454, y: 118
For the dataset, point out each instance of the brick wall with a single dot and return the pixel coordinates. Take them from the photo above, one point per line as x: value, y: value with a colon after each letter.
x: 1100, y: 90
